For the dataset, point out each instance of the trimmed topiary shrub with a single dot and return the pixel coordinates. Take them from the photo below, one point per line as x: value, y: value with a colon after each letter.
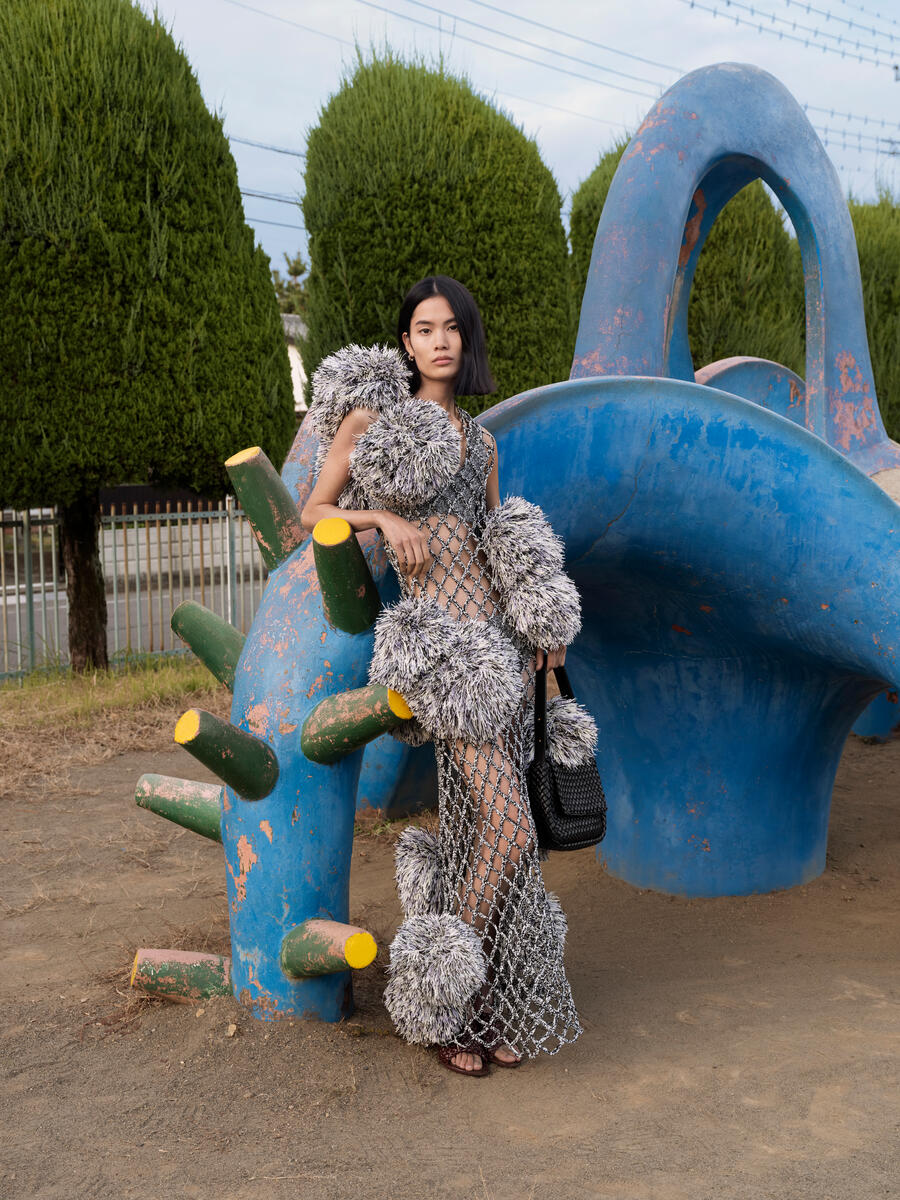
x: 141, y: 339
x: 409, y: 173
x: 877, y: 228
x: 747, y: 294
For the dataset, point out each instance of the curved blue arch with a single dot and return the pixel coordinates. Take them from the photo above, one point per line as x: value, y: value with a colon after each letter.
x: 711, y: 134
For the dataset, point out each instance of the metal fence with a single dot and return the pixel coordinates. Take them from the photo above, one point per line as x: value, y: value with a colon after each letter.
x: 152, y: 560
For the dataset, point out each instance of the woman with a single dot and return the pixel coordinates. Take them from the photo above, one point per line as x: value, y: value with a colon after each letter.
x: 477, y: 966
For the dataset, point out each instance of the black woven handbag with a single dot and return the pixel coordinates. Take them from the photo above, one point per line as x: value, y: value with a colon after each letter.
x: 567, y: 803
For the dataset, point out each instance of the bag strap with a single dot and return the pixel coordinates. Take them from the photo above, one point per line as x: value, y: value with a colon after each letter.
x: 540, y: 714
x: 562, y: 679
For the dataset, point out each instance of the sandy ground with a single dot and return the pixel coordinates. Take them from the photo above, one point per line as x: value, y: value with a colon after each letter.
x: 734, y: 1048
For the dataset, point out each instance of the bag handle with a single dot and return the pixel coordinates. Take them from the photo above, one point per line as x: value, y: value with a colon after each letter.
x: 540, y: 706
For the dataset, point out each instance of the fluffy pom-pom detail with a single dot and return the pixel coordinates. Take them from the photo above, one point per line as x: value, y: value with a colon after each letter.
x: 475, y: 688
x: 409, y: 454
x: 355, y: 377
x: 462, y: 679
x: 571, y: 732
x: 410, y: 640
x: 519, y: 544
x: 437, y: 965
x: 546, y: 613
x: 559, y: 926
x: 418, y: 871
x: 412, y: 733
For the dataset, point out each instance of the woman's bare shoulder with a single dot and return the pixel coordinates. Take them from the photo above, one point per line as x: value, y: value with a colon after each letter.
x: 356, y: 422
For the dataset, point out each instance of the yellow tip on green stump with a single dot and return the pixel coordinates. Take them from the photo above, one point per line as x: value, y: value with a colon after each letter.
x: 360, y: 950
x: 242, y: 456
x: 331, y: 531
x: 187, y: 727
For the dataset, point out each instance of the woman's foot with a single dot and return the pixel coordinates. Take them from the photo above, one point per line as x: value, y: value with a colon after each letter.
x: 467, y: 1060
x: 502, y: 1056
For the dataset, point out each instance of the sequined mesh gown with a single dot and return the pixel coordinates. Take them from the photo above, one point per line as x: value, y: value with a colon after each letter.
x: 489, y: 859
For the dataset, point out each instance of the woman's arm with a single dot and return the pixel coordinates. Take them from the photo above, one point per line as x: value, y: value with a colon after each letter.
x: 409, y: 544
x: 555, y: 657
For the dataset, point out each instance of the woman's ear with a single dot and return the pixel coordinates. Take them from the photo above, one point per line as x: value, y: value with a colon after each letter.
x: 407, y: 346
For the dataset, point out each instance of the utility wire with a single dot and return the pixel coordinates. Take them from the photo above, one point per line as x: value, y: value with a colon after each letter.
x: 556, y: 108
x: 814, y: 30
x: 287, y: 21
x: 512, y: 37
x: 277, y: 224
x: 855, y: 8
x: 791, y: 37
x: 577, y: 37
x: 265, y: 146
x: 277, y: 197
x: 535, y: 62
x: 830, y: 16
x: 853, y: 117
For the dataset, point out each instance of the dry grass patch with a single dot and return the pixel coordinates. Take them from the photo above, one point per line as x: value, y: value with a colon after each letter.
x: 48, y: 724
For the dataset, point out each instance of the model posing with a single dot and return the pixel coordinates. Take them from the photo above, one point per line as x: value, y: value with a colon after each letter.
x: 477, y: 965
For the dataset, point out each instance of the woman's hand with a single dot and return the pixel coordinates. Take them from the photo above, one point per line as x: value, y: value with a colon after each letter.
x: 555, y: 658
x: 409, y: 543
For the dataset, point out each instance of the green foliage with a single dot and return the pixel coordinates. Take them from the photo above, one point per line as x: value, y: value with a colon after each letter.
x: 877, y: 228
x: 747, y: 293
x: 140, y: 338
x: 408, y: 174
x: 290, y: 289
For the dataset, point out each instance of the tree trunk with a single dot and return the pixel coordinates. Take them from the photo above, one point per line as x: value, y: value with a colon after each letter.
x: 85, y: 589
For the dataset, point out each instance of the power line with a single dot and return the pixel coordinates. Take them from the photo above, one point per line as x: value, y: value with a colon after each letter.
x: 287, y: 21
x: 265, y: 146
x: 277, y: 197
x: 556, y: 108
x: 853, y: 117
x: 779, y: 33
x: 576, y: 37
x: 830, y: 16
x: 585, y: 62
x: 866, y: 12
x: 535, y: 62
x: 277, y: 224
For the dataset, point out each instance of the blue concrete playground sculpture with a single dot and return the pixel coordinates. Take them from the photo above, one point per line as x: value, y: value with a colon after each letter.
x: 738, y: 568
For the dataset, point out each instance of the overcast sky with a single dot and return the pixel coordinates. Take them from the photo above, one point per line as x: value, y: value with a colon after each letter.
x: 270, y: 77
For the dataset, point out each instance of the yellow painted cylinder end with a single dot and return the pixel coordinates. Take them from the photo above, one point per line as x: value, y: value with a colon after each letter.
x: 187, y: 727
x: 398, y: 705
x: 134, y: 968
x: 243, y: 456
x: 331, y: 531
x: 360, y: 949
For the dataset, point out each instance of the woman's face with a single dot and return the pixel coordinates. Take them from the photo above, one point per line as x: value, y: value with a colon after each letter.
x: 434, y: 341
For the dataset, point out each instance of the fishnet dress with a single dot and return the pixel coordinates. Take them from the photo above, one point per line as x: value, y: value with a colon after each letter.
x: 490, y: 863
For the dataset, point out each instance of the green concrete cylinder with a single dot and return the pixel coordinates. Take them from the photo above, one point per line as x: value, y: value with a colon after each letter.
x: 181, y: 975
x: 349, y: 596
x: 324, y: 948
x: 345, y: 721
x: 196, y: 806
x: 247, y: 764
x: 216, y: 643
x: 270, y: 507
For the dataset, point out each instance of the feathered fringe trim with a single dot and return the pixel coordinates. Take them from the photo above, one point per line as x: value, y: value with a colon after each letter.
x: 545, y: 612
x: 461, y: 679
x: 418, y: 871
x: 557, y: 919
x: 519, y: 544
x: 406, y: 456
x: 525, y: 558
x: 354, y: 377
x: 437, y: 965
x: 571, y: 732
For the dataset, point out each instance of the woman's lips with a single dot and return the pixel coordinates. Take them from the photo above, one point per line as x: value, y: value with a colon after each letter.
x: 442, y: 362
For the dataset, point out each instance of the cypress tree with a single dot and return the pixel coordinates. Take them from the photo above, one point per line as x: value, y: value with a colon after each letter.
x: 747, y: 293
x: 141, y: 339
x: 409, y: 173
x: 877, y: 228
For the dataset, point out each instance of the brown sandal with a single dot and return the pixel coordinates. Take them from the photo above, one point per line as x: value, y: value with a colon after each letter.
x: 446, y: 1054
x: 490, y: 1053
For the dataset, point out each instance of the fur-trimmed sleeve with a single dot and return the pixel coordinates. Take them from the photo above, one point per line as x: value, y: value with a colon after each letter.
x: 525, y: 558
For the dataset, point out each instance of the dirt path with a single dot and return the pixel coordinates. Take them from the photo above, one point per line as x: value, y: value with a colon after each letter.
x: 735, y: 1049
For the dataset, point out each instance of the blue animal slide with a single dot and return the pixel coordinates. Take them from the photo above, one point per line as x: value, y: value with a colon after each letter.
x: 737, y: 563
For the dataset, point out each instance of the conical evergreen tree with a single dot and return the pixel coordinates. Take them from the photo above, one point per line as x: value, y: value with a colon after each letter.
x: 877, y: 228
x: 409, y: 173
x: 141, y: 338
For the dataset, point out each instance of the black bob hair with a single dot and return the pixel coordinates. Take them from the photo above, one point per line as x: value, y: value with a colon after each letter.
x: 474, y: 378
